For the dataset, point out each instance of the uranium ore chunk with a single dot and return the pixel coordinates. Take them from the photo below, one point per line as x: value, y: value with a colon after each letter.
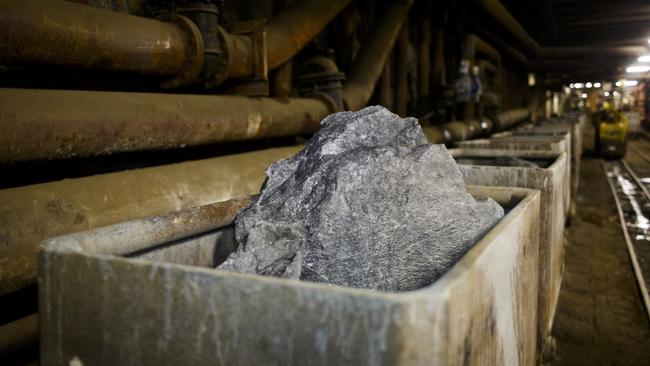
x: 368, y: 203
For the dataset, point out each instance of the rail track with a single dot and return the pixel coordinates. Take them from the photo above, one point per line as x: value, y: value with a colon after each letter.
x: 633, y: 203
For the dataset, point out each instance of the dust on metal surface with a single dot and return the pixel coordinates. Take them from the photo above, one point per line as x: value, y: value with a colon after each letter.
x: 633, y: 203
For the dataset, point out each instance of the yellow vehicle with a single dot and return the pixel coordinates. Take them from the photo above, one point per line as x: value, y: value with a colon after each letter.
x: 611, y: 133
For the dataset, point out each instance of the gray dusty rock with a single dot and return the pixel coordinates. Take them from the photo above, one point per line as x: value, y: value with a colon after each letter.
x: 368, y: 204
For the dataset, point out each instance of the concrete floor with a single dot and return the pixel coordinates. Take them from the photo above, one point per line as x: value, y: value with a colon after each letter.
x: 600, y: 318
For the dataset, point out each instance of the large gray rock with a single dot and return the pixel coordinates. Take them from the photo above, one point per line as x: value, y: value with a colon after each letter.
x: 368, y: 203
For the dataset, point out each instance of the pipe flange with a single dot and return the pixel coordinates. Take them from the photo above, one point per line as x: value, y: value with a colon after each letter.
x: 194, y: 64
x: 329, y: 102
x: 220, y: 75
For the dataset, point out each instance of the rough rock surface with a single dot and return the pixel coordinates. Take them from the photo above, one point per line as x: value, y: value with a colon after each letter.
x: 368, y: 204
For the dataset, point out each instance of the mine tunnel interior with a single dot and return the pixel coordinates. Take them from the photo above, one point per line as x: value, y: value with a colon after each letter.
x: 324, y: 182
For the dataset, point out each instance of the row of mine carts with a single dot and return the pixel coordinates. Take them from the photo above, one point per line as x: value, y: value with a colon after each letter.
x: 146, y: 292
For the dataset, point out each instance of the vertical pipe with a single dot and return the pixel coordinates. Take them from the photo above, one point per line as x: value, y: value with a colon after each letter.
x: 401, y: 77
x: 384, y: 92
x: 425, y: 54
x: 289, y: 31
x: 439, y: 60
x: 369, y: 62
x: 281, y: 82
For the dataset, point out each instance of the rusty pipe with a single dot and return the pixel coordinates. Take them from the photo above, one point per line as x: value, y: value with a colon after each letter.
x: 18, y: 334
x: 45, y: 124
x: 384, y: 97
x: 509, y: 119
x: 74, y: 35
x: 48, y: 124
x: 31, y: 214
x: 68, y: 34
x: 501, y: 14
x: 294, y: 27
x: 464, y: 130
x: 424, y: 59
x: 401, y: 77
x: 369, y: 63
x: 474, y: 44
x: 438, y: 67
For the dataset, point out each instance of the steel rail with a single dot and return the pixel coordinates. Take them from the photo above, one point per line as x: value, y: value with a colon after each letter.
x: 624, y: 192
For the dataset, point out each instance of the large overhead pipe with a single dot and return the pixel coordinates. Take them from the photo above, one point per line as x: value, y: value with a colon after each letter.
x: 293, y: 28
x: 500, y: 13
x: 369, y: 63
x: 474, y: 44
x: 464, y: 130
x: 424, y: 56
x: 401, y: 78
x: 64, y: 33
x: 49, y: 124
x: 68, y: 34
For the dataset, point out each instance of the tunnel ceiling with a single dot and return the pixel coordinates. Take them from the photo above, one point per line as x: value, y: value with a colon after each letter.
x: 586, y: 23
x: 557, y: 23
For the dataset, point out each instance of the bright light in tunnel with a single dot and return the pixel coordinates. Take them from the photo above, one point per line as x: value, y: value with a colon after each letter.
x: 644, y: 58
x: 597, y: 85
x: 583, y: 95
x: 637, y: 68
x: 579, y: 85
x: 572, y: 85
x: 606, y: 94
x: 630, y: 83
x: 588, y: 85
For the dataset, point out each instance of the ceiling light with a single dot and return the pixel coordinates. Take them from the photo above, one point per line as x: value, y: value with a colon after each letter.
x: 572, y: 85
x: 579, y: 85
x: 637, y: 69
x: 531, y: 79
x: 597, y: 85
x: 588, y: 85
x: 606, y: 94
x: 584, y: 95
x: 619, y: 83
x: 630, y: 83
x: 644, y: 58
